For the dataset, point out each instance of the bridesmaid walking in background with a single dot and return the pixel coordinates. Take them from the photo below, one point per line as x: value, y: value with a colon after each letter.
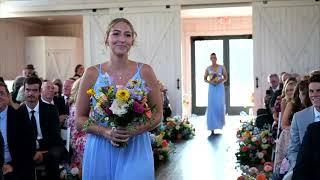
x: 215, y: 75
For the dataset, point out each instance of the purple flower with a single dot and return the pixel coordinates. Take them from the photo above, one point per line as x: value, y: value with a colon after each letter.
x: 108, y: 111
x: 137, y: 107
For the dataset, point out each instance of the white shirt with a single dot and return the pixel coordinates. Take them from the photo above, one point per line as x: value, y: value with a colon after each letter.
x: 3, y: 128
x: 47, y: 101
x: 316, y: 115
x: 36, y: 115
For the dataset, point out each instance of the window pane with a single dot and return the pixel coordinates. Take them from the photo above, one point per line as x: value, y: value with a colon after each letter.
x: 241, y: 72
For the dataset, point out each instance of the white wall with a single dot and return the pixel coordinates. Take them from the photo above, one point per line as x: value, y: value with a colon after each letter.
x: 286, y: 37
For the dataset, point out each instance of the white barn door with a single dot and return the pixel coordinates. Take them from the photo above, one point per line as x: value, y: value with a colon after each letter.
x: 157, y: 44
x: 286, y: 38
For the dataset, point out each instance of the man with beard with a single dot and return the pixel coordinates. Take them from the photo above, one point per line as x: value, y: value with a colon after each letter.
x: 44, y: 121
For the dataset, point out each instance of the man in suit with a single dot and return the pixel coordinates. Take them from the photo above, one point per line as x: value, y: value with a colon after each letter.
x: 303, y: 118
x: 307, y: 165
x: 44, y: 121
x: 18, y: 149
x: 47, y: 96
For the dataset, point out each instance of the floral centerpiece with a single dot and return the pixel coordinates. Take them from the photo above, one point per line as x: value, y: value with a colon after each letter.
x: 161, y: 148
x: 253, y: 173
x: 70, y: 172
x: 255, y: 145
x: 177, y: 128
x: 120, y: 106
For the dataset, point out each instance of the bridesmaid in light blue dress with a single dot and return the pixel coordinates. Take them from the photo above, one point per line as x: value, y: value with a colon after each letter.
x: 215, y: 75
x: 103, y: 159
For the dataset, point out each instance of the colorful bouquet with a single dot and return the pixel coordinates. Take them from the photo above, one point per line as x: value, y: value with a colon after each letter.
x: 255, y: 145
x: 263, y: 172
x: 161, y: 148
x: 177, y: 128
x: 120, y: 106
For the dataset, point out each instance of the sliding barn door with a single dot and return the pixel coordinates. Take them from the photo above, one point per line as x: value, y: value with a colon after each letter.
x: 157, y: 44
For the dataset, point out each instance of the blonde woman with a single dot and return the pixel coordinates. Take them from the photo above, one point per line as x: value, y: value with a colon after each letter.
x: 78, y: 138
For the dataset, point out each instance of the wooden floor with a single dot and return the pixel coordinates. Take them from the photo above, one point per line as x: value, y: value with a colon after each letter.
x: 204, y: 157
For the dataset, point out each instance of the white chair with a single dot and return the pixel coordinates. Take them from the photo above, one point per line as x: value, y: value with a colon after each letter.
x: 65, y: 135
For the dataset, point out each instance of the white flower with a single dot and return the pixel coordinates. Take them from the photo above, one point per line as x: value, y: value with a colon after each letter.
x: 177, y: 127
x: 254, y: 139
x: 118, y: 108
x: 74, y: 171
x: 260, y: 155
x: 63, y: 173
x: 264, y: 140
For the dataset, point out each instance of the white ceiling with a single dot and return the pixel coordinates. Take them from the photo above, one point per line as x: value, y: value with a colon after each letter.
x: 217, y: 12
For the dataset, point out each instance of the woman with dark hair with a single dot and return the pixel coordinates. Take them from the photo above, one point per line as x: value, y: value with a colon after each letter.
x: 78, y: 71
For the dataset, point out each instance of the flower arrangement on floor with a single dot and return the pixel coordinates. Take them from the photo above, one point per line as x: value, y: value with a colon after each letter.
x: 70, y: 172
x: 255, y: 151
x: 177, y: 128
x: 162, y: 149
x: 120, y: 106
x: 264, y: 172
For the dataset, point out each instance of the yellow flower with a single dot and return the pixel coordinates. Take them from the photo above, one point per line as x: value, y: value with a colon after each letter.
x: 91, y: 92
x: 123, y: 95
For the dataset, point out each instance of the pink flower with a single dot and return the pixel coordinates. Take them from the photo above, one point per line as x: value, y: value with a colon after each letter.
x: 267, y: 168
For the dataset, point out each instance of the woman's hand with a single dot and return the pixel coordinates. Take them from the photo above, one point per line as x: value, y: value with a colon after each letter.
x: 117, y: 135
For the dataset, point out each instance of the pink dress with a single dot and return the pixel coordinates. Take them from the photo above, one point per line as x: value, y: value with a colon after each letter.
x: 78, y: 138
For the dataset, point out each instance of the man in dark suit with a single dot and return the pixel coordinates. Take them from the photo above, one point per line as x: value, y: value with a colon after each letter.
x: 44, y: 122
x: 18, y: 148
x: 307, y: 165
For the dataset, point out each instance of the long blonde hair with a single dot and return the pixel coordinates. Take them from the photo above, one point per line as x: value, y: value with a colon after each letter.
x: 74, y: 91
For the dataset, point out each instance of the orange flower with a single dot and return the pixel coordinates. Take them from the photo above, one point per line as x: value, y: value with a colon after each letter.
x: 148, y: 114
x: 170, y: 124
x: 240, y: 178
x: 261, y: 177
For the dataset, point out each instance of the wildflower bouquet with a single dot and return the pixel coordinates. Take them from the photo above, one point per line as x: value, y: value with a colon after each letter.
x: 120, y: 106
x: 161, y: 148
x: 255, y: 145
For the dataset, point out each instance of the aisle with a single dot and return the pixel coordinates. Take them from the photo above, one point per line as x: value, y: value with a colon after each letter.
x: 204, y: 157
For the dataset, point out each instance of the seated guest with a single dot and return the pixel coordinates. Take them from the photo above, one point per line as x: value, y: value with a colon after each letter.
x: 17, y: 83
x: 167, y: 112
x: 78, y: 138
x: 47, y: 96
x: 78, y: 72
x: 44, y: 123
x: 303, y: 118
x: 1, y: 156
x: 67, y: 85
x: 307, y: 165
x: 299, y: 102
x: 58, y: 83
x: 17, y: 141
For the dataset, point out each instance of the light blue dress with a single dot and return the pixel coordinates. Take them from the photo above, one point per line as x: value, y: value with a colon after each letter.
x: 216, y: 102
x: 102, y: 161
